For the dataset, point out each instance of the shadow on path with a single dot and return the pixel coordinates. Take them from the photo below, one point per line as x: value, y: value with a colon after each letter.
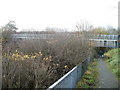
x: 106, y: 78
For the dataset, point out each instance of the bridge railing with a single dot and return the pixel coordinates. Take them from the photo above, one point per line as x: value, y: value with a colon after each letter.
x: 111, y: 37
x: 70, y: 79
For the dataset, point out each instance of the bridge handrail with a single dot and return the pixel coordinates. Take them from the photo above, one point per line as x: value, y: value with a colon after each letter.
x: 114, y: 37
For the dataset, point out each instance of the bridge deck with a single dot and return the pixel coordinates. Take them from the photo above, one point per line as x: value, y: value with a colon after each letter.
x: 96, y: 40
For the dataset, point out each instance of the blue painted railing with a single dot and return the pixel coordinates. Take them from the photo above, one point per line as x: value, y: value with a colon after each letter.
x: 70, y: 79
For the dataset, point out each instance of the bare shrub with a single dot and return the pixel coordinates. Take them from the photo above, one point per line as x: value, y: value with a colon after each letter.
x: 66, y: 50
x: 26, y: 74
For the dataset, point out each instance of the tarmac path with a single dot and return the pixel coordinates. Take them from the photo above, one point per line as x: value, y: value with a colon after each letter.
x: 106, y: 79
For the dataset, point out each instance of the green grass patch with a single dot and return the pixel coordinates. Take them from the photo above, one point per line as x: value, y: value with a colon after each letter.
x: 112, y: 57
x: 89, y: 78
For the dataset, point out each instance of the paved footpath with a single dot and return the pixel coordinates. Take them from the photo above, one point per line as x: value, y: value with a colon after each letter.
x: 106, y: 79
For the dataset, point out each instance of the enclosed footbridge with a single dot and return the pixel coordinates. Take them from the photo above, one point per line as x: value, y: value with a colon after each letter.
x: 105, y: 41
x: 95, y: 40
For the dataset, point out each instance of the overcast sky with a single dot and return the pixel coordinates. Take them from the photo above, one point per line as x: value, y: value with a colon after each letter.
x: 40, y: 14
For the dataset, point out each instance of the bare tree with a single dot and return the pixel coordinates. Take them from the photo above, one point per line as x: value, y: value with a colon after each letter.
x: 8, y: 29
x: 84, y: 29
x: 84, y: 26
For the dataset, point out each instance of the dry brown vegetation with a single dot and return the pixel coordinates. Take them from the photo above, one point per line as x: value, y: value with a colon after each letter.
x: 60, y: 53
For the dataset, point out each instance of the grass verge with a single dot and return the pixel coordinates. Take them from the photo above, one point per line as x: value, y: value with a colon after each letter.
x: 89, y: 78
x: 111, y: 59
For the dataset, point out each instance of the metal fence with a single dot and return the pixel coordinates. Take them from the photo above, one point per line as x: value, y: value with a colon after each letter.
x: 70, y: 79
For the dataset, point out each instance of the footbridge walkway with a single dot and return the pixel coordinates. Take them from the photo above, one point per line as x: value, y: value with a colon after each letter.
x: 100, y: 40
x: 105, y: 41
